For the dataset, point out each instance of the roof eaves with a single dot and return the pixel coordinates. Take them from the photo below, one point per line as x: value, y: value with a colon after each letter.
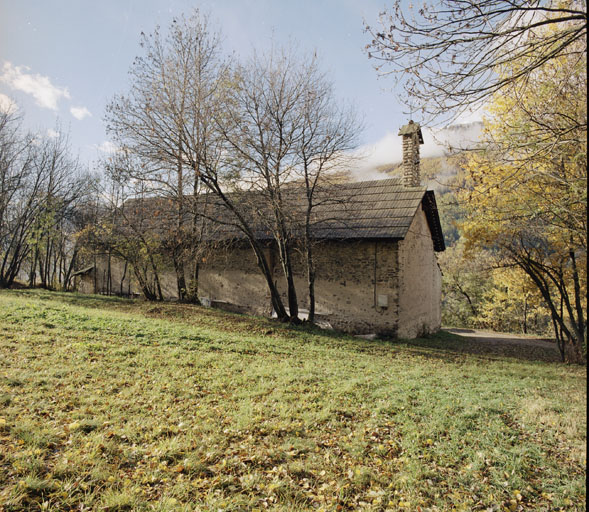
x: 433, y: 219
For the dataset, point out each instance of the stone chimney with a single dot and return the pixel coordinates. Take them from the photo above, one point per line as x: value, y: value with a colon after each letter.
x: 412, y: 138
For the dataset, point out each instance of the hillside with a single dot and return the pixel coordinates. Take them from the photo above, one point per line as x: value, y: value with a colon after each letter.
x: 437, y: 172
x: 110, y: 404
x: 441, y: 155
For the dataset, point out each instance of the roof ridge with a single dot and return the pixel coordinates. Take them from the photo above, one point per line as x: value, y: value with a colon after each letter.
x: 381, y: 209
x: 383, y: 182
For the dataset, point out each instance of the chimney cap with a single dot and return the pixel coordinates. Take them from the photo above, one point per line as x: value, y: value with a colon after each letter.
x: 411, y: 128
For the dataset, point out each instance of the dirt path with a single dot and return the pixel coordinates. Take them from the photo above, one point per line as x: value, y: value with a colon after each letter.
x: 513, y: 345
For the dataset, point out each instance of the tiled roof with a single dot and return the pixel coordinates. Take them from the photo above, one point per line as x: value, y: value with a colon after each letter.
x: 377, y: 209
x: 382, y: 209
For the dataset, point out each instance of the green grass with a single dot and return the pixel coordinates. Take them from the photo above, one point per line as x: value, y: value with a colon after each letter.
x: 108, y: 404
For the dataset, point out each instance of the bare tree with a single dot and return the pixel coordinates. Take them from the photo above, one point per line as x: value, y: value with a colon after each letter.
x: 264, y: 133
x: 171, y: 87
x: 446, y: 55
x: 18, y: 186
x: 134, y: 225
x: 328, y: 134
x: 40, y: 185
x: 52, y: 238
x: 285, y: 134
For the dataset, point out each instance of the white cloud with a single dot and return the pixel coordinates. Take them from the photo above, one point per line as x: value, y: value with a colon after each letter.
x: 80, y: 112
x: 107, y: 147
x: 52, y: 134
x: 384, y: 151
x: 457, y: 137
x: 7, y: 106
x: 39, y: 87
x: 388, y: 150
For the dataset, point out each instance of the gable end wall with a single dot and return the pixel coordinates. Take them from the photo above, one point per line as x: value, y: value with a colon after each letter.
x: 420, y: 283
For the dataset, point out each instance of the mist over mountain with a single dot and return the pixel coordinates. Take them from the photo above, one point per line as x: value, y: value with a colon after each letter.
x: 458, y: 137
x: 381, y: 160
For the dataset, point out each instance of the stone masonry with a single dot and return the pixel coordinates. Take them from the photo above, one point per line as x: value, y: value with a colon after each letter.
x: 412, y: 138
x: 376, y: 268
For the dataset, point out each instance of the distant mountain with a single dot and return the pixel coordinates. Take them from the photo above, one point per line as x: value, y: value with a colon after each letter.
x: 438, y: 172
x: 459, y: 137
x: 438, y: 154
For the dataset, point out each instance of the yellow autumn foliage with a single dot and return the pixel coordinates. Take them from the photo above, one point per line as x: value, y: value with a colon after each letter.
x: 526, y: 190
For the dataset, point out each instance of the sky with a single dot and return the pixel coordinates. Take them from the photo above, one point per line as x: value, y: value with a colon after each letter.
x: 61, y: 61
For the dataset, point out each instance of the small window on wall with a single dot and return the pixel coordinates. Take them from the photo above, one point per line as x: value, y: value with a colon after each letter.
x: 382, y: 301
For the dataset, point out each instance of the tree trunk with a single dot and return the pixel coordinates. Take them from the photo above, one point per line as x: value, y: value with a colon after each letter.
x: 525, y: 317
x: 148, y: 293
x: 123, y: 279
x: 196, y: 241
x: 579, y: 325
x: 193, y: 296
x: 559, y: 339
x: 156, y: 278
x: 311, y: 284
x: 180, y: 278
x: 309, y: 246
x: 286, y: 258
x: 310, y: 269
x: 70, y: 268
x: 275, y: 299
x: 42, y: 273
x: 178, y: 255
x: 95, y: 274
x: 293, y: 304
x: 32, y: 273
x: 108, y: 274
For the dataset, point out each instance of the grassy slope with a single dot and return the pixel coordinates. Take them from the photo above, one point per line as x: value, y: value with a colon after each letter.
x: 126, y: 405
